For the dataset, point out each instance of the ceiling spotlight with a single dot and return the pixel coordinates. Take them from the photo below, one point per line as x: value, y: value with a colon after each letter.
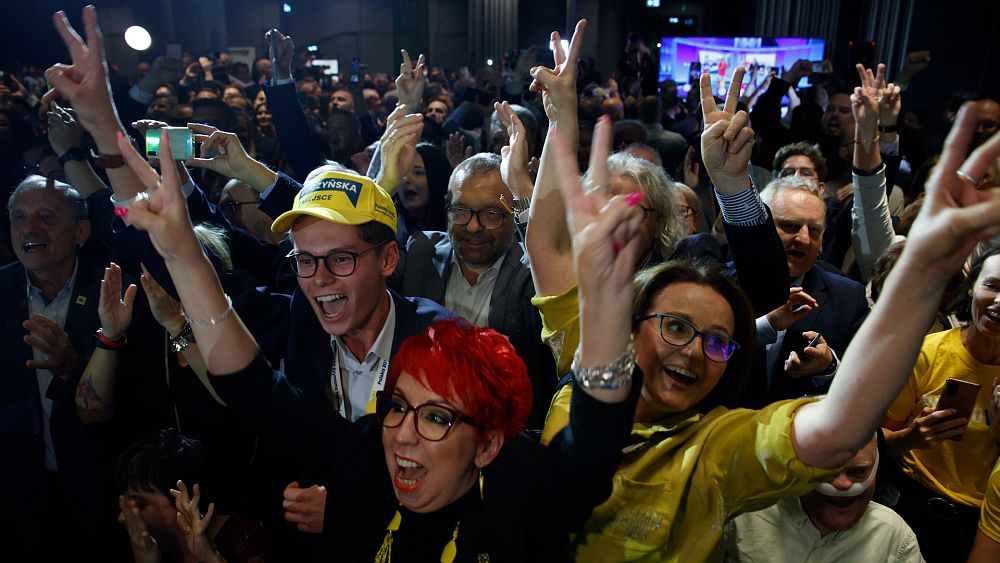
x: 138, y: 38
x: 489, y: 62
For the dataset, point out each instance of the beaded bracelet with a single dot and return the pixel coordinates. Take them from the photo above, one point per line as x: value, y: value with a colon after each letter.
x: 213, y: 320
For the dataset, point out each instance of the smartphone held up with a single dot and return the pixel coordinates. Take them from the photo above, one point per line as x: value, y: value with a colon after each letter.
x: 181, y: 143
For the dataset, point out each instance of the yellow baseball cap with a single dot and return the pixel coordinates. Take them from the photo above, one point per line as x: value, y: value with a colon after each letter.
x: 340, y: 197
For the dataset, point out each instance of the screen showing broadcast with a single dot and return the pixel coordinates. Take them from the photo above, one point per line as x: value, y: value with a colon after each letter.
x: 684, y: 59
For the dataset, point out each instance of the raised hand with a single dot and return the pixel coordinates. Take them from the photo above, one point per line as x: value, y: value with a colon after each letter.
x: 865, y: 102
x: 114, y: 310
x: 800, y: 68
x: 64, y: 130
x: 956, y: 215
x: 399, y: 145
x: 193, y: 524
x: 606, y: 247
x: 283, y: 58
x: 410, y: 82
x: 558, y: 85
x: 456, y: 149
x: 514, y: 156
x: 144, y: 547
x: 50, y: 339
x: 231, y: 159
x: 161, y: 210
x: 727, y: 141
x: 84, y: 83
x: 166, y: 310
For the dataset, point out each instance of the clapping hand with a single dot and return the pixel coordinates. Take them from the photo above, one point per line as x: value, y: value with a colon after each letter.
x: 144, y: 547
x: 399, y: 146
x: 514, y: 163
x: 193, y: 524
x: 114, y: 310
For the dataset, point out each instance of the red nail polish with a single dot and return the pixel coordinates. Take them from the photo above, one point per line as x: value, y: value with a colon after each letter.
x: 617, y: 246
x: 121, y: 212
x: 119, y: 135
x: 633, y: 198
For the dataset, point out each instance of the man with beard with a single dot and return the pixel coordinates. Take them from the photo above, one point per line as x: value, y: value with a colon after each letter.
x: 835, y: 522
x: 479, y: 270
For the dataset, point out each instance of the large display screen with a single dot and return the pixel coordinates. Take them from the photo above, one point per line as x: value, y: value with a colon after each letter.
x: 684, y: 59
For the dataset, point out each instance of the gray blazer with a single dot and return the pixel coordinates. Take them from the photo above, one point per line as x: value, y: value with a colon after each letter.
x: 424, y: 270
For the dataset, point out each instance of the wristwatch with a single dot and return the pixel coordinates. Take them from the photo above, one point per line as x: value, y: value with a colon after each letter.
x: 520, y: 205
x: 73, y: 153
x: 183, y: 339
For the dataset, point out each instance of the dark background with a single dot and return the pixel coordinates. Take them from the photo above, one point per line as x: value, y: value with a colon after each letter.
x: 453, y: 33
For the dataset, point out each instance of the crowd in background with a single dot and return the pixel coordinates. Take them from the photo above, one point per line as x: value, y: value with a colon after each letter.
x: 740, y: 246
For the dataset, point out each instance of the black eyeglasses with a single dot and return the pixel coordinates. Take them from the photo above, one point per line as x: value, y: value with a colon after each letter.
x: 231, y: 207
x: 680, y: 332
x: 488, y: 218
x: 341, y: 263
x: 432, y: 421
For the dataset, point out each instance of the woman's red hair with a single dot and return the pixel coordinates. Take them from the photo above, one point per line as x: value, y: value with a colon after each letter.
x: 475, y: 366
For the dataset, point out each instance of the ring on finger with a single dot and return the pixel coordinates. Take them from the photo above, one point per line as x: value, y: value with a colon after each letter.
x: 968, y: 178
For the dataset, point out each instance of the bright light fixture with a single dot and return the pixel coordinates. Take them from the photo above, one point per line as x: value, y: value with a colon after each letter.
x: 138, y: 38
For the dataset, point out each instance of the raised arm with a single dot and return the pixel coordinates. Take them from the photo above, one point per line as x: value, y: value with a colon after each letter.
x: 84, y: 83
x: 514, y: 163
x: 226, y: 345
x: 954, y: 218
x: 66, y: 139
x: 547, y: 240
x: 95, y: 393
x: 397, y: 147
x: 871, y: 230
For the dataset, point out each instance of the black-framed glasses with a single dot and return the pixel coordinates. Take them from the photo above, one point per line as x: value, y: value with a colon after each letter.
x: 432, y: 421
x: 340, y: 263
x: 488, y: 218
x: 678, y: 331
x: 232, y: 206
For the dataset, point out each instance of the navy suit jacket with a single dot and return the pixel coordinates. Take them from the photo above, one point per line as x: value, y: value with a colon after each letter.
x: 842, y: 307
x: 81, y: 451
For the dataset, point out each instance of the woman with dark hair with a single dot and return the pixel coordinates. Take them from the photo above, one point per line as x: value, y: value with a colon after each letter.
x: 453, y: 482
x: 415, y: 173
x: 940, y: 456
x: 693, y: 463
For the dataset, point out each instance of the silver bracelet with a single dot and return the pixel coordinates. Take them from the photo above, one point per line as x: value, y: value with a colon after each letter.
x: 213, y: 320
x: 612, y: 376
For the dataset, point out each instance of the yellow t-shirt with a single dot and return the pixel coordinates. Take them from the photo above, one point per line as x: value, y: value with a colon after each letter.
x: 989, y: 519
x: 560, y: 325
x: 957, y: 470
x: 679, y: 481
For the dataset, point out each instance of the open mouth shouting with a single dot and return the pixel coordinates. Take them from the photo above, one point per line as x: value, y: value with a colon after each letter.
x: 332, y: 305
x: 408, y: 474
x: 678, y: 376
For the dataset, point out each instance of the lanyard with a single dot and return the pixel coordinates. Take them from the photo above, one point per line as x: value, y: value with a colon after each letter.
x: 342, y: 402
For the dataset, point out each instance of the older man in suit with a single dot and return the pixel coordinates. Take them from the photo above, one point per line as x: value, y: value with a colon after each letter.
x: 803, y: 339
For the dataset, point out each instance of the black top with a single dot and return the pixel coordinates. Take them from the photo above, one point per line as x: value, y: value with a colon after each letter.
x: 533, y: 496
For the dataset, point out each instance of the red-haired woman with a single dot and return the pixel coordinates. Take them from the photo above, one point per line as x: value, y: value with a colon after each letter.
x: 440, y: 472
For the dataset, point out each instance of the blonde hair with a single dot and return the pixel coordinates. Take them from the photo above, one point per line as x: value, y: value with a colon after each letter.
x: 215, y: 239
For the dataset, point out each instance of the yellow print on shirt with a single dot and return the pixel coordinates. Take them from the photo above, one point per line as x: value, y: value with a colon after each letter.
x: 978, y: 413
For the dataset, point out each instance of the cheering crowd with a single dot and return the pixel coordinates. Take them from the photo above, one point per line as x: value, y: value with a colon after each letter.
x: 521, y: 315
